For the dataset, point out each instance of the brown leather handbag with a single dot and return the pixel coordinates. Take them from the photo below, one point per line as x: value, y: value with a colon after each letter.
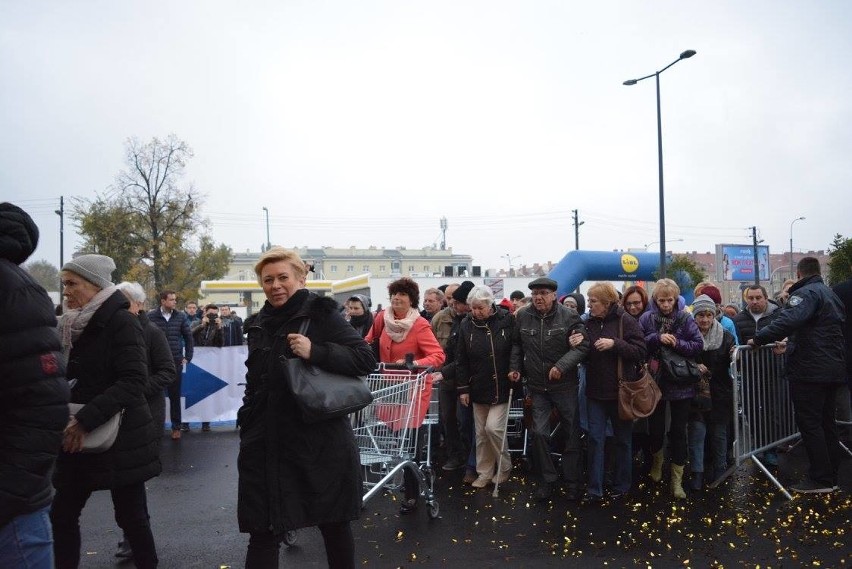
x: 636, y: 399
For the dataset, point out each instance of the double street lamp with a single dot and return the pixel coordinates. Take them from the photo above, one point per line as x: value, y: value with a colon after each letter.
x: 685, y: 55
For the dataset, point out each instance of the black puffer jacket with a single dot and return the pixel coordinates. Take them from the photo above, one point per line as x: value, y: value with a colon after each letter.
x: 161, y: 369
x: 475, y: 367
x: 813, y: 321
x: 109, y: 361
x: 292, y: 474
x: 33, y: 391
x: 844, y: 293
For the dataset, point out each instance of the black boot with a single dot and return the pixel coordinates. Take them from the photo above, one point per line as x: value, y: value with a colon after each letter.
x: 697, y: 481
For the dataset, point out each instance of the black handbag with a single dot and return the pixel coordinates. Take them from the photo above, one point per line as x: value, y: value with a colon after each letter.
x: 322, y: 395
x: 678, y: 369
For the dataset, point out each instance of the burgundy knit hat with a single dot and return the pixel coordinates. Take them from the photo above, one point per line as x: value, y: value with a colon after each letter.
x: 713, y: 292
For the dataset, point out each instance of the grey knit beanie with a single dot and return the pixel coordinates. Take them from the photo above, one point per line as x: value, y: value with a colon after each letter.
x: 704, y: 304
x: 97, y: 269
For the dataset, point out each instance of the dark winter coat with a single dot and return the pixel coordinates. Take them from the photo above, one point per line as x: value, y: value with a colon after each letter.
x: 689, y: 344
x: 718, y: 361
x: 540, y: 342
x: 813, y: 322
x: 475, y: 366
x: 449, y: 381
x: 292, y: 474
x: 602, y: 366
x: 844, y: 293
x: 33, y: 391
x: 110, y: 363
x: 177, y: 331
x: 208, y: 335
x: 161, y: 369
x: 747, y: 326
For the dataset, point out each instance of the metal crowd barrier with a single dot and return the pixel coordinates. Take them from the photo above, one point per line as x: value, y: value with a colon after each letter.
x: 763, y: 412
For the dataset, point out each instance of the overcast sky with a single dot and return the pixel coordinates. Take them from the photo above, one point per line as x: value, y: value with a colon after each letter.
x: 363, y: 123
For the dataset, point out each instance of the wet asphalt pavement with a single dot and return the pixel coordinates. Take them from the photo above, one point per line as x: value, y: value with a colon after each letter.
x: 743, y: 523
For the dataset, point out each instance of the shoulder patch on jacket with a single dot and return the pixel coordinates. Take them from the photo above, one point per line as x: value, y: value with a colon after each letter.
x: 794, y: 300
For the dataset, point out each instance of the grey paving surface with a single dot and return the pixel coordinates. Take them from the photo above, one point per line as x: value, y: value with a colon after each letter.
x: 744, y: 523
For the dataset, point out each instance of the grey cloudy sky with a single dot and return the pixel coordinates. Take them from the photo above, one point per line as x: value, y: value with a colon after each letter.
x: 363, y: 123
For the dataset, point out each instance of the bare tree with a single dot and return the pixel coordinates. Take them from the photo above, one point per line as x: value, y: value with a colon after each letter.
x: 148, y: 220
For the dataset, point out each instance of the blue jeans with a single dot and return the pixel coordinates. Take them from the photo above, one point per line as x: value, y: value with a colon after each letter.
x: 697, y: 434
x: 26, y: 542
x: 599, y: 411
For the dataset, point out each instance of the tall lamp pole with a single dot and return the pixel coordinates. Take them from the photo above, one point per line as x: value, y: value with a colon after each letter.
x: 792, y: 273
x: 268, y: 243
x: 61, y: 213
x: 685, y: 55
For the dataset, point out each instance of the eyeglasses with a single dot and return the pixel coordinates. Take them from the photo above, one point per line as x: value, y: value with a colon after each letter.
x: 542, y: 292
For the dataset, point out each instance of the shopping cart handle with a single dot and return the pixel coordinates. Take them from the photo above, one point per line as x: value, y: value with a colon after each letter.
x: 407, y: 367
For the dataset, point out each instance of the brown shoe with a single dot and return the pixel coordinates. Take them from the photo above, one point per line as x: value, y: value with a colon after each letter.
x: 175, y: 434
x: 469, y: 476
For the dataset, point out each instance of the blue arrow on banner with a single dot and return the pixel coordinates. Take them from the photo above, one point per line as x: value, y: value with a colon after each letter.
x: 198, y: 384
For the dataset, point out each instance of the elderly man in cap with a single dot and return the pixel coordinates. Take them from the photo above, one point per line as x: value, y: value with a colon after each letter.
x: 542, y: 354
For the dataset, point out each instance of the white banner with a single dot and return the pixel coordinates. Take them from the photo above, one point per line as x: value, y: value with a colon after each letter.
x: 210, y: 389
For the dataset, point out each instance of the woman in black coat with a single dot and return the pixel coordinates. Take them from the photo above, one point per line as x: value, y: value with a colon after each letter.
x: 482, y: 370
x: 293, y: 474
x: 714, y: 361
x: 107, y: 366
x: 613, y: 335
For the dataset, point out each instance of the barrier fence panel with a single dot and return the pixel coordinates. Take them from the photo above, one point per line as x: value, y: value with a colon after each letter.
x: 763, y: 412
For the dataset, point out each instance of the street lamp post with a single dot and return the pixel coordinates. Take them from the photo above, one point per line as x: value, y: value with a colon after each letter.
x: 268, y: 243
x: 792, y: 273
x: 655, y: 242
x: 61, y: 213
x: 685, y: 55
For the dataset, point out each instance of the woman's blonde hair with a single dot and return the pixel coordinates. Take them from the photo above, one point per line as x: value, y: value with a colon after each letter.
x: 665, y: 286
x: 277, y: 254
x: 605, y: 292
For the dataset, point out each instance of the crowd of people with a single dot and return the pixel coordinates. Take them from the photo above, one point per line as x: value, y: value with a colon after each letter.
x: 565, y: 356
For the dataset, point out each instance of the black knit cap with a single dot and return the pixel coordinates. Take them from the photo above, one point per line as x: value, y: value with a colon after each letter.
x: 460, y: 294
x: 18, y: 233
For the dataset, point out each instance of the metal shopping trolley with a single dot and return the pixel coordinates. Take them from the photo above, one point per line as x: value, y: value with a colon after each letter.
x: 386, y: 431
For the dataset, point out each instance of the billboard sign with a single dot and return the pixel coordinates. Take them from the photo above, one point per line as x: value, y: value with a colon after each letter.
x: 736, y: 262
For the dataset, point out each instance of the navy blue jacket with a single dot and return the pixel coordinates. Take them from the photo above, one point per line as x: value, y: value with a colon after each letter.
x: 177, y: 331
x: 813, y: 322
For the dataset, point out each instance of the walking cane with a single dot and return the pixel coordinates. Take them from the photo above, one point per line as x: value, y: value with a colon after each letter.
x: 502, y: 446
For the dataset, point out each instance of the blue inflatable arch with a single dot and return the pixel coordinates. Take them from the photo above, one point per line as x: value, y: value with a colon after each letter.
x: 579, y: 266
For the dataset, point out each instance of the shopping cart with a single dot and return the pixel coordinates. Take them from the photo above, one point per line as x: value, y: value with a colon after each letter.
x: 386, y: 431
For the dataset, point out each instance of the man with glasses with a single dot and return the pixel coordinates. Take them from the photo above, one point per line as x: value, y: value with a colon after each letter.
x: 175, y: 324
x: 542, y: 354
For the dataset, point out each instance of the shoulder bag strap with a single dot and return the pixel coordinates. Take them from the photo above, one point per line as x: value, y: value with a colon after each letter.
x: 620, y: 337
x: 303, y: 327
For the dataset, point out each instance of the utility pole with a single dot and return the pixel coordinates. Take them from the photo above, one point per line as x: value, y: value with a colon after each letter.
x: 443, y: 234
x: 61, y: 213
x: 577, y: 225
x: 754, y: 242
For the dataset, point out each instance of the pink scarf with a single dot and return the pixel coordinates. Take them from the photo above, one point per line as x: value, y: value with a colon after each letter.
x: 398, y: 329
